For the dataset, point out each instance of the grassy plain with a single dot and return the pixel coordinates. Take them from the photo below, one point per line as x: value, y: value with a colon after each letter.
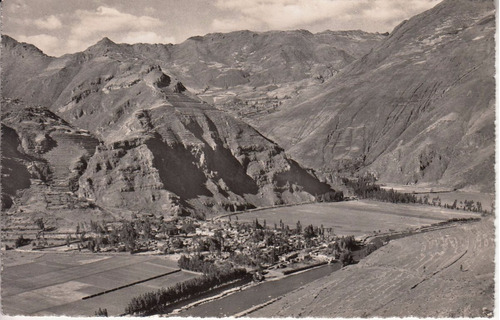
x: 55, y: 283
x: 355, y: 217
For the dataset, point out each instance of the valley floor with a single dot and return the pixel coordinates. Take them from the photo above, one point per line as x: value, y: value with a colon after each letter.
x: 358, y: 218
x: 444, y: 271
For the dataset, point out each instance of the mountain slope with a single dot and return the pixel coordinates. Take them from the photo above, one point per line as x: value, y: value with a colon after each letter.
x: 162, y: 149
x: 244, y: 72
x: 43, y: 153
x: 419, y: 108
x: 445, y: 273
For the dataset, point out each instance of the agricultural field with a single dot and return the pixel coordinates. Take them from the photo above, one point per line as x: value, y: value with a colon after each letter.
x: 356, y: 218
x: 444, y: 273
x: 54, y: 283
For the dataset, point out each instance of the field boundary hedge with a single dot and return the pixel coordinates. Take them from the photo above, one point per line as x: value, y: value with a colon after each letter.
x: 131, y: 284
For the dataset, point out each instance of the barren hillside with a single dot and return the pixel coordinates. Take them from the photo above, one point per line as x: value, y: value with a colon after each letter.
x: 419, y: 108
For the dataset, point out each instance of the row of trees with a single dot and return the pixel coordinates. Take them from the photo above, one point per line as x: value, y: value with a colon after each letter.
x: 198, y: 264
x: 365, y: 187
x: 150, y: 302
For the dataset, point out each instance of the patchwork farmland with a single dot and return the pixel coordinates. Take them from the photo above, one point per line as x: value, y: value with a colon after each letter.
x: 64, y: 283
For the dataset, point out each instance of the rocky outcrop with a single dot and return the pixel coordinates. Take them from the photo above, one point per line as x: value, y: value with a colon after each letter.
x: 194, y: 161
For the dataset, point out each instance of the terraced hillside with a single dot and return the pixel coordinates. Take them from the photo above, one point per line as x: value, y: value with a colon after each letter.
x: 44, y: 153
x: 445, y: 273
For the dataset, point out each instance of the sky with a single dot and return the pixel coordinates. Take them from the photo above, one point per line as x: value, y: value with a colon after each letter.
x: 66, y: 26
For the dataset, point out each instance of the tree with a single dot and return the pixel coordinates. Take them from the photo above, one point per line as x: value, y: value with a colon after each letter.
x: 257, y: 225
x: 299, y: 227
x: 101, y: 312
x: 346, y: 258
x: 40, y: 224
x: 188, y: 227
x: 309, y: 232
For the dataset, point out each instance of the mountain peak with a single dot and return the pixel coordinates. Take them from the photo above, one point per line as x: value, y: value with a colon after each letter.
x: 102, y: 46
x: 105, y: 41
x: 13, y: 44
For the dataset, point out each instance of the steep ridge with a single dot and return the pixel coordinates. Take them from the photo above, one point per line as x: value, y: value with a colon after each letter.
x: 163, y: 149
x: 419, y: 108
x: 264, y: 58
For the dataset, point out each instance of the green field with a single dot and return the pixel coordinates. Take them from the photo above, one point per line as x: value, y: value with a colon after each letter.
x: 355, y: 217
x: 55, y: 283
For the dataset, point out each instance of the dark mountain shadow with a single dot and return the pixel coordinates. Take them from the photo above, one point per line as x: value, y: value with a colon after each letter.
x: 15, y: 175
x: 222, y: 161
x: 299, y: 176
x: 177, y: 169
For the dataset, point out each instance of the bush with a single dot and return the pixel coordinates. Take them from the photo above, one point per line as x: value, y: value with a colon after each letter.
x: 101, y: 312
x: 197, y: 264
x: 21, y: 241
x: 346, y: 258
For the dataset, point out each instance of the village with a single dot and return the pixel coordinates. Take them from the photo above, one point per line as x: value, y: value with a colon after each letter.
x: 255, y: 246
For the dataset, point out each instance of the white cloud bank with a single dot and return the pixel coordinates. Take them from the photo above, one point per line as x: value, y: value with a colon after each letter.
x: 370, y: 15
x: 49, y: 23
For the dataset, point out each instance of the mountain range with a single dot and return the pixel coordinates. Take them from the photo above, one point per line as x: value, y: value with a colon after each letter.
x: 233, y: 121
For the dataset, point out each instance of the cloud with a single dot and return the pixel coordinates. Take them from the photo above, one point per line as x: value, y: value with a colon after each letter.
x: 50, y: 23
x: 89, y: 26
x: 106, y: 20
x: 47, y: 43
x: 289, y: 14
x: 15, y: 7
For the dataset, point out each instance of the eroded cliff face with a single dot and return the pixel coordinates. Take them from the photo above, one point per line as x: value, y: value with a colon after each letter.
x: 194, y: 160
x: 161, y: 149
x: 418, y: 109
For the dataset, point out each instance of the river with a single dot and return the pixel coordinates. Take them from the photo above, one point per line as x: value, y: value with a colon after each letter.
x: 243, y: 300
